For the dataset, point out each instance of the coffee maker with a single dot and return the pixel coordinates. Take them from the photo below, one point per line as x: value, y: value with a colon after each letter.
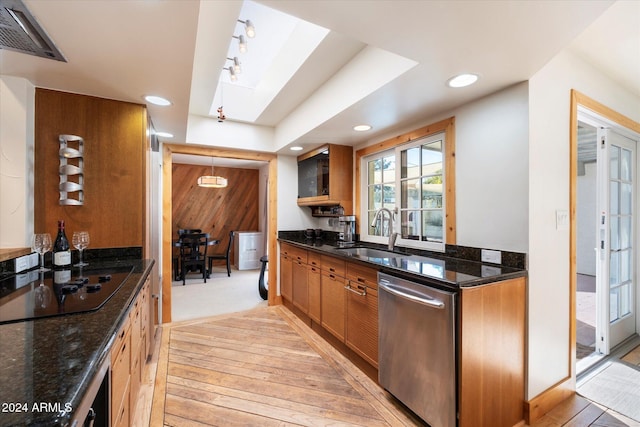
x: 347, y: 233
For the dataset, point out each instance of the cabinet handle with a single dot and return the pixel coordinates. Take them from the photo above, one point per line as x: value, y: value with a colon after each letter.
x: 333, y: 270
x: 361, y: 280
x: 362, y: 293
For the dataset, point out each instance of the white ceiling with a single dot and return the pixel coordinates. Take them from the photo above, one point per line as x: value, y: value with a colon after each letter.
x: 383, y: 62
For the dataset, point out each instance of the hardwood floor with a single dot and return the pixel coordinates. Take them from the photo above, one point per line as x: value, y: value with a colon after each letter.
x: 263, y: 367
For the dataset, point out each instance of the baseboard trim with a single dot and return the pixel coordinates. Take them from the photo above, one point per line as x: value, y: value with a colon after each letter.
x: 535, y: 408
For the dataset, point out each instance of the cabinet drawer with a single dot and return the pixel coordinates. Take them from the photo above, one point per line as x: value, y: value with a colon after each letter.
x: 333, y: 265
x: 298, y: 254
x: 135, y: 317
x: 314, y: 259
x: 121, y: 339
x: 363, y: 275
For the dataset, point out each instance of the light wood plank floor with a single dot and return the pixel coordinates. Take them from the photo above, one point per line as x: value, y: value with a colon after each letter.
x: 263, y: 367
x: 266, y: 368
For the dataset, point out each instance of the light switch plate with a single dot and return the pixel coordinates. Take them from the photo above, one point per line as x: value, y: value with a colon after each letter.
x: 494, y: 257
x: 562, y: 220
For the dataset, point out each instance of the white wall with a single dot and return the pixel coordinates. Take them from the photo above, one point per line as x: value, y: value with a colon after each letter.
x: 548, y: 286
x: 492, y: 171
x: 16, y: 163
x: 586, y: 220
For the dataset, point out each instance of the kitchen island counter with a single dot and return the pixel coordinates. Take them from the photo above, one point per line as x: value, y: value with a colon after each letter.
x: 47, y: 365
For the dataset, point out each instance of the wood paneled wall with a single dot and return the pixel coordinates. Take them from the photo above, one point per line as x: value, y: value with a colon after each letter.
x: 115, y: 135
x: 216, y: 211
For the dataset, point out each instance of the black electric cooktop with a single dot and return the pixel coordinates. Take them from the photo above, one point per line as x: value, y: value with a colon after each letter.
x: 34, y: 295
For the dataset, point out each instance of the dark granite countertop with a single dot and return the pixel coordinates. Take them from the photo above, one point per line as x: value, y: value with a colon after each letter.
x: 46, y: 365
x: 422, y: 266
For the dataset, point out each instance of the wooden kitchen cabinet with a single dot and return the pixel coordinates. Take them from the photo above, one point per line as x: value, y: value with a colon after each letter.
x: 315, y: 292
x: 362, y: 312
x: 300, y: 285
x: 325, y: 177
x: 492, y: 343
x: 120, y: 376
x: 333, y: 303
x: 286, y: 276
x: 128, y: 358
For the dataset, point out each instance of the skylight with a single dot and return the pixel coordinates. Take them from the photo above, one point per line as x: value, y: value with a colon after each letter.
x: 282, y: 44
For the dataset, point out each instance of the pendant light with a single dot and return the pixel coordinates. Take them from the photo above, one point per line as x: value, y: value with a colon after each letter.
x: 212, y: 181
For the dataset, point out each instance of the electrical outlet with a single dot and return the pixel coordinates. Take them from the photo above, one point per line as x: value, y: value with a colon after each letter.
x: 34, y: 260
x: 494, y: 257
x: 22, y: 263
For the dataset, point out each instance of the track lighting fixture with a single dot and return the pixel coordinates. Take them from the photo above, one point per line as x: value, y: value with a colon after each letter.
x: 242, y: 43
x: 232, y: 74
x: 236, y: 64
x: 248, y: 28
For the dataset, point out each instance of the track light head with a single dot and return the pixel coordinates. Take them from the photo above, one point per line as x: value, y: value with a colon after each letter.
x: 242, y: 44
x: 236, y: 64
x: 248, y: 28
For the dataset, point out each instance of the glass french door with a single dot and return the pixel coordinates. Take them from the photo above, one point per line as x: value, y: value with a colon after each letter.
x: 616, y: 261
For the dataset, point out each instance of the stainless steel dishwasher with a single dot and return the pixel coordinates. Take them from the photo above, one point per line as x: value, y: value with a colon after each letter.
x: 417, y: 359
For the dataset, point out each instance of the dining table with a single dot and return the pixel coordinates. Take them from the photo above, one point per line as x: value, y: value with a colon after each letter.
x: 179, y: 243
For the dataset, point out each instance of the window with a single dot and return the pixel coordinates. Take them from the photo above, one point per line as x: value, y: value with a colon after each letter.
x: 412, y: 180
x: 421, y: 196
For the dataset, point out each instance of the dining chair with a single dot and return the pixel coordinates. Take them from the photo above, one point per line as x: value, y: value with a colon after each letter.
x: 225, y: 256
x: 193, y: 254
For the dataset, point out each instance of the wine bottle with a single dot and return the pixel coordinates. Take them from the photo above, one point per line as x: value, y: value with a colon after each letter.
x: 61, y: 249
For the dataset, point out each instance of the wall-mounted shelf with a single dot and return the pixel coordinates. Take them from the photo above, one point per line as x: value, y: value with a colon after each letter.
x: 71, y: 170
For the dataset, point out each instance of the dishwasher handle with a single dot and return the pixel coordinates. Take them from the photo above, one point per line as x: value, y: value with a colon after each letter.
x: 410, y: 294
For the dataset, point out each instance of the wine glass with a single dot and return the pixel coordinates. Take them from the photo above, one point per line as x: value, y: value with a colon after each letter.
x: 41, y: 244
x: 80, y: 241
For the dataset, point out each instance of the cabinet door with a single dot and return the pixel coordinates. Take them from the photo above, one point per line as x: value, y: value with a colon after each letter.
x: 120, y: 376
x: 313, y: 279
x: 286, y: 277
x: 333, y: 304
x: 300, y: 286
x: 362, y: 321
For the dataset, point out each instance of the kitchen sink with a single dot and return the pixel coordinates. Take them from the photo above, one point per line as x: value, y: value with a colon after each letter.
x: 371, y: 253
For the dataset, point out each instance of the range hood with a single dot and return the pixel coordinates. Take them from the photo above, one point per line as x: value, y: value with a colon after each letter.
x: 20, y: 32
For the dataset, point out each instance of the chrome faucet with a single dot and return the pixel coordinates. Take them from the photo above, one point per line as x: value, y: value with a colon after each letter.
x: 392, y: 234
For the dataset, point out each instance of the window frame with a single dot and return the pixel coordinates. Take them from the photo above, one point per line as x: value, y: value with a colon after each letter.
x: 447, y: 127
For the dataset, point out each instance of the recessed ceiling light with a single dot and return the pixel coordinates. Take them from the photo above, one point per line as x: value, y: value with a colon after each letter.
x: 157, y: 100
x: 164, y: 134
x: 462, y: 80
x: 361, y: 128
x: 295, y: 148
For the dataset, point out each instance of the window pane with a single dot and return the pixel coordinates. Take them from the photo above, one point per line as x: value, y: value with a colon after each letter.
x: 375, y: 171
x: 614, y: 169
x: 410, y: 193
x: 389, y: 169
x: 410, y: 225
x: 411, y: 163
x: 625, y: 165
x: 615, y: 233
x: 389, y: 196
x: 625, y: 232
x: 432, y: 225
x: 614, y: 269
x: 432, y: 192
x: 432, y: 158
x: 375, y: 197
x: 625, y: 198
x: 372, y: 229
x: 613, y: 194
x: 613, y: 305
x: 625, y: 300
x: 625, y: 266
